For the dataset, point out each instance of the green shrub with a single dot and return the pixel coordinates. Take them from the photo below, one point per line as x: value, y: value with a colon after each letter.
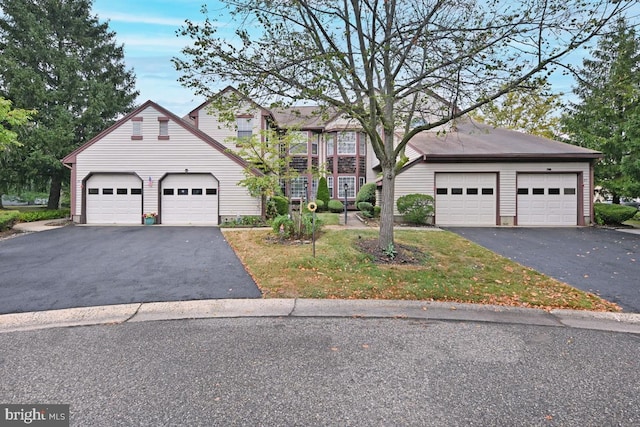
x: 297, y: 227
x: 30, y: 216
x: 321, y: 205
x: 376, y: 211
x: 271, y: 210
x: 282, y: 225
x: 366, y: 209
x: 612, y: 214
x: 7, y: 219
x: 282, y: 204
x: 416, y: 208
x: 323, y: 194
x: 367, y: 194
x: 335, y: 206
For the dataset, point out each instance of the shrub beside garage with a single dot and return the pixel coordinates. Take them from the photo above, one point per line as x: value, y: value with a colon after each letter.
x: 612, y: 214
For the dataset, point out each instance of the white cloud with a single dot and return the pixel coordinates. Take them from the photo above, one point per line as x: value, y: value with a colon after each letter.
x: 138, y: 19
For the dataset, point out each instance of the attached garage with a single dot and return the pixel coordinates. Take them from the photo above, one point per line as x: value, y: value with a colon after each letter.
x: 113, y: 199
x: 466, y: 198
x: 547, y: 199
x: 485, y: 176
x: 153, y: 162
x: 189, y: 199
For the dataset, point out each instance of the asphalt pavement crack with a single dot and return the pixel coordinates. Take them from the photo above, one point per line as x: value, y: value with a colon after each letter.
x: 134, y: 313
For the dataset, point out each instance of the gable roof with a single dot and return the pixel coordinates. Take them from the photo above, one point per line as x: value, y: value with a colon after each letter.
x: 195, y: 111
x: 472, y: 141
x: 302, y: 117
x: 71, y: 157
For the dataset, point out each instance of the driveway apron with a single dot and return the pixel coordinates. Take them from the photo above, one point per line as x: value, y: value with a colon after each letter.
x: 602, y: 261
x: 90, y: 266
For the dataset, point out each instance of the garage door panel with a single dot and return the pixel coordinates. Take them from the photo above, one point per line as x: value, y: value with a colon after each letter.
x: 548, y: 199
x: 114, y: 199
x: 190, y: 199
x: 466, y: 198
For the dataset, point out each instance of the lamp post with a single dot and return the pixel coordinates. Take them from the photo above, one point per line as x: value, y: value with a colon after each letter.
x: 346, y: 187
x: 306, y: 194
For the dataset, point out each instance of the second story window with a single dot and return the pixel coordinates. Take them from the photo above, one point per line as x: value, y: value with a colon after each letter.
x: 136, y: 132
x: 347, y: 143
x: 245, y: 126
x: 163, y: 131
x: 329, y: 145
x: 298, y: 143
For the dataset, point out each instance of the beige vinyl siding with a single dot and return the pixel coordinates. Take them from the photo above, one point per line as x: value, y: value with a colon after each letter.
x: 153, y: 158
x: 221, y: 131
x: 420, y: 178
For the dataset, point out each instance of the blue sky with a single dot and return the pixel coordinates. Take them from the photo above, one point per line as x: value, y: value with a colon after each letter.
x: 148, y: 31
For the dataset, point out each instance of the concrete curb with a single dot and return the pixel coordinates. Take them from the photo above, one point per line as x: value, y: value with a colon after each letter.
x: 390, y: 309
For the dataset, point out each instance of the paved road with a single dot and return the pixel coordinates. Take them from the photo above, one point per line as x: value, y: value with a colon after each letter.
x: 87, y: 266
x: 342, y: 372
x: 605, y: 262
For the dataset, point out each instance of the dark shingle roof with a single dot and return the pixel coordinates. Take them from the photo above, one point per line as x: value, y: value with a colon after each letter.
x: 470, y: 140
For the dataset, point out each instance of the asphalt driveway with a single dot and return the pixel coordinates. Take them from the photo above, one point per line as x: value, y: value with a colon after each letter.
x: 90, y: 266
x: 602, y: 261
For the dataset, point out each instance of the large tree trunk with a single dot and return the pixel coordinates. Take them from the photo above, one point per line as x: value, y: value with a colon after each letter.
x: 386, y: 214
x: 1, y: 205
x: 54, y: 192
x: 388, y: 190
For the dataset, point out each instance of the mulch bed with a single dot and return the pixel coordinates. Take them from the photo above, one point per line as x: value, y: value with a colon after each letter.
x: 404, y: 254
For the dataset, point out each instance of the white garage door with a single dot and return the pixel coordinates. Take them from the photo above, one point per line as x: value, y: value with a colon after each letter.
x: 547, y: 199
x: 190, y: 199
x: 466, y: 199
x: 114, y: 199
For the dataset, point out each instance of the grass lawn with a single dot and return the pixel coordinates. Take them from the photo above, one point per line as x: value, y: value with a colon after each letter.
x: 453, y: 269
x: 329, y: 218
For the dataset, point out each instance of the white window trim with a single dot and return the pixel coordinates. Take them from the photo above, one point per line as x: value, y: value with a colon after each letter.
x: 244, y: 127
x: 299, y: 144
x: 351, y: 194
x: 330, y: 145
x: 346, y: 145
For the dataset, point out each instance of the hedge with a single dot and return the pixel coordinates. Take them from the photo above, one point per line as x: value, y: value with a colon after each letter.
x: 282, y: 204
x: 335, y: 206
x: 416, y: 208
x: 367, y: 194
x: 612, y: 214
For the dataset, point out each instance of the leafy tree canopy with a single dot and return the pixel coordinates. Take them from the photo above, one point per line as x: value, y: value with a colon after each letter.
x: 531, y: 109
x: 606, y: 116
x: 394, y: 66
x: 59, y: 59
x: 10, y: 118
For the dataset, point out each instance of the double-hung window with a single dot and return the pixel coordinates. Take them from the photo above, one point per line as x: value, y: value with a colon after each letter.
x: 299, y: 143
x: 245, y: 126
x: 346, y: 143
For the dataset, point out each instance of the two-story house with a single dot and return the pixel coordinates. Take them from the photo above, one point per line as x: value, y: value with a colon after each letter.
x: 187, y: 169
